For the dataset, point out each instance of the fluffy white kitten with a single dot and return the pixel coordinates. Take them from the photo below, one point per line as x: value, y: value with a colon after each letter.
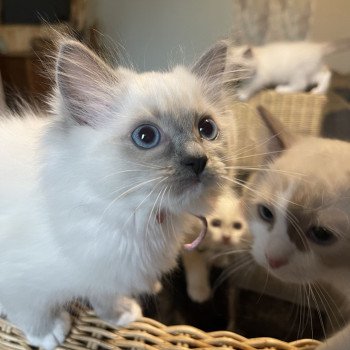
x: 92, y: 200
x: 289, y: 66
x: 227, y: 233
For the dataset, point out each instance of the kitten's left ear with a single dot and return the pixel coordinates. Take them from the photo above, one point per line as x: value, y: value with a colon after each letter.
x: 85, y: 83
x: 212, y: 63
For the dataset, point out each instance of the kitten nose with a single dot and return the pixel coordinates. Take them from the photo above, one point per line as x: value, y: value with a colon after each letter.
x: 196, y: 163
x: 226, y: 239
x: 276, y: 263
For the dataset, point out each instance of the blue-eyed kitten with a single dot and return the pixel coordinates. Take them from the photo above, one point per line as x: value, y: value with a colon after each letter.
x: 92, y: 200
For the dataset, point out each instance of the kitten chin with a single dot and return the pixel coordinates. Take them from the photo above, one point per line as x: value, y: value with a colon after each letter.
x: 198, y: 201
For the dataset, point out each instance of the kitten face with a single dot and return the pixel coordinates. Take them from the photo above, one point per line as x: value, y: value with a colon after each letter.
x: 298, y: 212
x: 183, y: 129
x: 226, y: 224
x: 154, y: 138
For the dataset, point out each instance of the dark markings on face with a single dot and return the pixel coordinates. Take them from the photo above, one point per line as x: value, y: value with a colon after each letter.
x: 302, y: 214
x: 297, y: 226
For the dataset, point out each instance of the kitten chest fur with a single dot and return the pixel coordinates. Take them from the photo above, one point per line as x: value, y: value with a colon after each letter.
x: 81, y: 242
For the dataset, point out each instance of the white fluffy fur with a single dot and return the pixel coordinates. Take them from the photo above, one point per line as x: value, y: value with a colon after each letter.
x: 78, y: 200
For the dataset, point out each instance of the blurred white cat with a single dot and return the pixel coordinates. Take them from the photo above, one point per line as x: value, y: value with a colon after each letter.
x: 288, y: 66
x: 227, y: 234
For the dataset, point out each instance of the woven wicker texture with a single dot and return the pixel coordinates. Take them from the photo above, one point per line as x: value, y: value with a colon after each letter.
x: 89, y: 332
x: 301, y: 113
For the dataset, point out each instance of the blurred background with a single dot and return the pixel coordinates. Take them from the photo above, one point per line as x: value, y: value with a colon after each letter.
x: 155, y: 35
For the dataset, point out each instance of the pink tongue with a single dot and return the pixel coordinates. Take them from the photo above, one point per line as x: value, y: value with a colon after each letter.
x: 199, y: 239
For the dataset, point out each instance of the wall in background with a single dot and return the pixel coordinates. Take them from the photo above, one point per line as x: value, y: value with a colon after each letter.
x: 332, y: 20
x: 158, y: 33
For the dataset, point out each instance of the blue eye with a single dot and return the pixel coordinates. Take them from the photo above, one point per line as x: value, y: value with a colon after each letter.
x: 146, y: 136
x: 265, y: 213
x: 208, y: 129
x: 321, y: 235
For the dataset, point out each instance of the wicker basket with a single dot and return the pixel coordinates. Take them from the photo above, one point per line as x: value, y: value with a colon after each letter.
x: 89, y: 332
x: 301, y: 113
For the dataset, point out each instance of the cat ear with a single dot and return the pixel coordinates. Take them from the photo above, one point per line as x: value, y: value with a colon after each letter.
x: 84, y: 82
x: 211, y: 65
x: 281, y: 138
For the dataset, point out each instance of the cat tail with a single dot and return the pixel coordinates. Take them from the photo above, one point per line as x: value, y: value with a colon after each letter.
x: 336, y: 46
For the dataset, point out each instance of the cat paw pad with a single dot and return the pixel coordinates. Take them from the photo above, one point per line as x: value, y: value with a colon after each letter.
x: 56, y: 336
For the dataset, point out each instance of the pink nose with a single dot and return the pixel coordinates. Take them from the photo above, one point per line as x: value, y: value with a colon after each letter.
x: 276, y: 263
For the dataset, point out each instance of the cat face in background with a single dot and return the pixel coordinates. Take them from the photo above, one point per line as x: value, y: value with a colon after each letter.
x: 226, y: 224
x: 298, y: 209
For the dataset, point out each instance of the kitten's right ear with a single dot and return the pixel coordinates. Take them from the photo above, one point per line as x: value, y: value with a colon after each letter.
x: 84, y: 82
x: 281, y: 138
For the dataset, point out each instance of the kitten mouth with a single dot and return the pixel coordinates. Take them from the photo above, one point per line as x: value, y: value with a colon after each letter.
x: 193, y: 245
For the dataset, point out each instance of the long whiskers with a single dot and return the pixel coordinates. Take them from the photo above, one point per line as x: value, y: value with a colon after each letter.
x: 130, y: 190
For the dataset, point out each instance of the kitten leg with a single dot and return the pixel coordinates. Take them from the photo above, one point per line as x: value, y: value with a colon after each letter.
x: 197, y: 276
x: 118, y: 310
x: 322, y: 79
x: 43, y: 329
x: 293, y: 86
x: 232, y: 301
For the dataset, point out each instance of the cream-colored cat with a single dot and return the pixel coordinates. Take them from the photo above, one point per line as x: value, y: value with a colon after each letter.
x: 298, y: 214
x: 227, y: 234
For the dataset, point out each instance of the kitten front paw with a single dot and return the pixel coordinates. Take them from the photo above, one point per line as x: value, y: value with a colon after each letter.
x: 56, y: 337
x: 126, y: 311
x: 200, y: 293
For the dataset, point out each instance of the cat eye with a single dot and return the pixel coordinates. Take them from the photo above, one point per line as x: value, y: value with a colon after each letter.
x: 265, y: 213
x: 237, y: 225
x: 208, y: 129
x: 320, y: 235
x: 146, y: 136
x: 216, y: 223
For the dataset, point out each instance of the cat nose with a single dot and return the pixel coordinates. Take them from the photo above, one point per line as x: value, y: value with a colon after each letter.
x: 276, y: 263
x: 196, y: 163
x: 226, y: 239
